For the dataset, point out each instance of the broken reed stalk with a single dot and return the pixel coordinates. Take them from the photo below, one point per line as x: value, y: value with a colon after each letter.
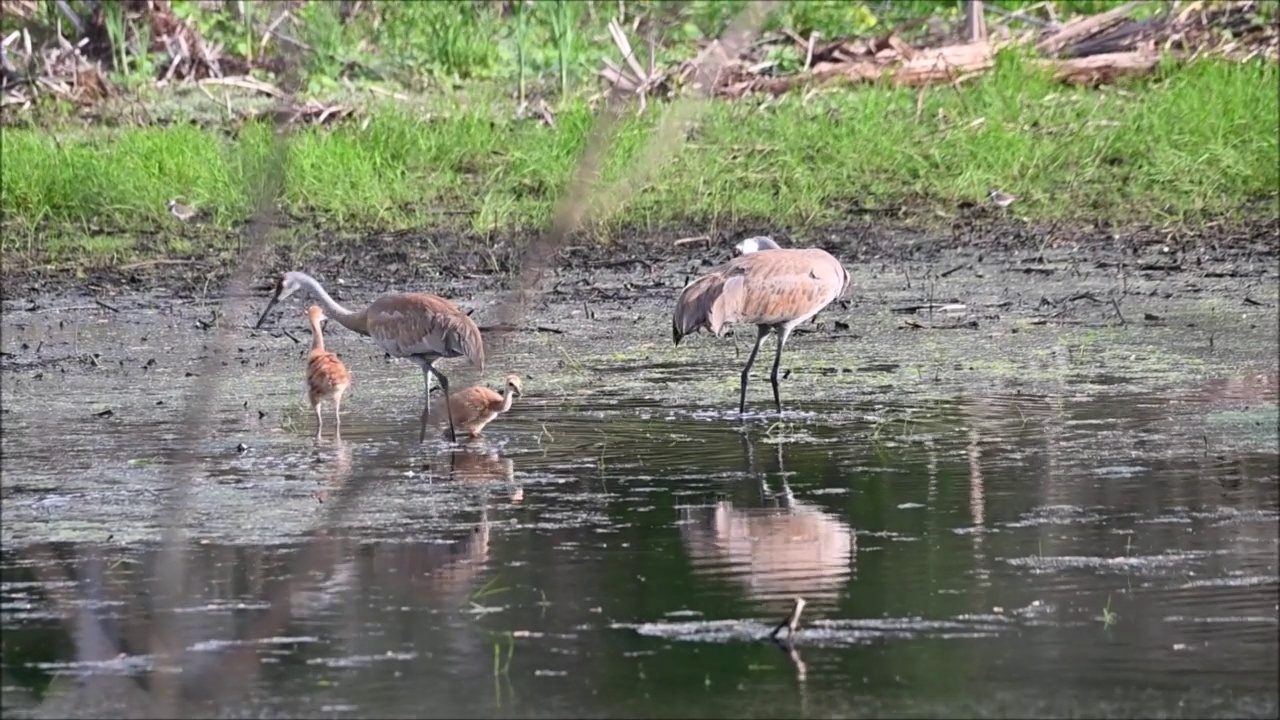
x: 791, y: 622
x: 165, y: 640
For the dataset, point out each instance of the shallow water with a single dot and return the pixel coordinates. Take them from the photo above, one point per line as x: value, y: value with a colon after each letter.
x: 1069, y: 551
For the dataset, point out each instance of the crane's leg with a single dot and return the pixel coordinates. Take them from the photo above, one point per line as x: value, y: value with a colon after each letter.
x: 784, y: 332
x: 761, y: 331
x: 426, y: 394
x: 315, y: 403
x: 448, y: 406
x: 337, y: 408
x: 427, y: 379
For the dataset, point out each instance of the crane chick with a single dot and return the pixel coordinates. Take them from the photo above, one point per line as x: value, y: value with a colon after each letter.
x: 475, y: 407
x: 327, y: 377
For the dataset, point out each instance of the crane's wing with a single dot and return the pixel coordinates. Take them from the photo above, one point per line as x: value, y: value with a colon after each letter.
x: 421, y: 324
x: 788, y: 285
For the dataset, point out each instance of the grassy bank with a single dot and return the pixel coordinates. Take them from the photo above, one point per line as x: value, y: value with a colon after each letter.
x: 1195, y: 140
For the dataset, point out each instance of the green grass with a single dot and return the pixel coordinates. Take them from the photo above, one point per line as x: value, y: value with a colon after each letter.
x: 1195, y: 141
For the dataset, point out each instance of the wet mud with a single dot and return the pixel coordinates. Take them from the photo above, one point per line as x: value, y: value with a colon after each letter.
x: 994, y: 304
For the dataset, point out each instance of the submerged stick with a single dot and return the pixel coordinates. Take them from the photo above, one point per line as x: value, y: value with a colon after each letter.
x: 791, y: 622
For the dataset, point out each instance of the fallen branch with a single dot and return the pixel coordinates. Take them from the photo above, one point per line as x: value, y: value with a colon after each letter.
x: 1084, y: 27
x: 1099, y: 69
x: 244, y: 82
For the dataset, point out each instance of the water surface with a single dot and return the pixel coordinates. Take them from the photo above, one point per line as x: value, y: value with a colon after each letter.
x: 619, y: 553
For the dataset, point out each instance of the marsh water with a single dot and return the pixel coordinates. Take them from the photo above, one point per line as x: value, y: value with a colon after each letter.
x: 1083, y: 546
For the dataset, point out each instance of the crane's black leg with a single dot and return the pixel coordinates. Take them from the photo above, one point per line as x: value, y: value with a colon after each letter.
x: 784, y: 332
x: 448, y: 406
x: 751, y: 360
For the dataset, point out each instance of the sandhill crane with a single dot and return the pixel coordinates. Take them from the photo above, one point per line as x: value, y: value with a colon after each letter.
x: 327, y: 377
x: 420, y: 327
x: 475, y: 407
x: 774, y: 289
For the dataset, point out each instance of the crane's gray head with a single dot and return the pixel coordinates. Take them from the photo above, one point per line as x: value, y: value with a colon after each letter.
x: 755, y: 244
x: 171, y: 203
x: 285, y: 286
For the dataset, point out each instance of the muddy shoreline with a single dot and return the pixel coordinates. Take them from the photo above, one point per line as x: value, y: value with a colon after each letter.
x: 448, y: 259
x: 986, y: 302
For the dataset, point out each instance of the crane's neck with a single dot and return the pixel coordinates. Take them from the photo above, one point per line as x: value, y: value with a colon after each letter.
x: 507, y: 397
x: 317, y: 339
x: 355, y: 321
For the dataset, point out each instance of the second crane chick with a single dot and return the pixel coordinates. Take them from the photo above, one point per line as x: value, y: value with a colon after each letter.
x: 476, y: 406
x: 327, y: 377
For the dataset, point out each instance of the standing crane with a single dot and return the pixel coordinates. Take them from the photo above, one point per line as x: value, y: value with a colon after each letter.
x: 776, y: 289
x: 420, y: 327
x: 327, y: 377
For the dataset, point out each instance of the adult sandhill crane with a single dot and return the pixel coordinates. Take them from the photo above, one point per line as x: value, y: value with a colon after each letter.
x: 420, y: 327
x: 327, y: 377
x: 776, y: 289
x: 474, y: 407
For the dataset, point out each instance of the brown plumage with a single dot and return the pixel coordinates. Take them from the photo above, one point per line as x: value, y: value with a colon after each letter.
x: 420, y: 327
x: 327, y: 377
x: 475, y: 407
x: 774, y: 289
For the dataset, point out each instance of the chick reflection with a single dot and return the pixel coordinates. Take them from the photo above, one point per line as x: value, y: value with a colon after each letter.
x: 338, y: 462
x: 477, y: 462
x: 791, y: 549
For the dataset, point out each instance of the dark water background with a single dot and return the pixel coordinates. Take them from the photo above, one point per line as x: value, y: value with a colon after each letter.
x: 1022, y: 554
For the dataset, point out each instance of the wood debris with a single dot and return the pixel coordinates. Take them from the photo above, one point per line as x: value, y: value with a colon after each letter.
x: 633, y: 78
x: 312, y: 112
x: 65, y: 50
x: 74, y: 54
x: 1088, y: 50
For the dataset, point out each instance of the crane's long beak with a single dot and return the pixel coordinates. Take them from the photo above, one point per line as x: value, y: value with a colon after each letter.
x: 275, y: 296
